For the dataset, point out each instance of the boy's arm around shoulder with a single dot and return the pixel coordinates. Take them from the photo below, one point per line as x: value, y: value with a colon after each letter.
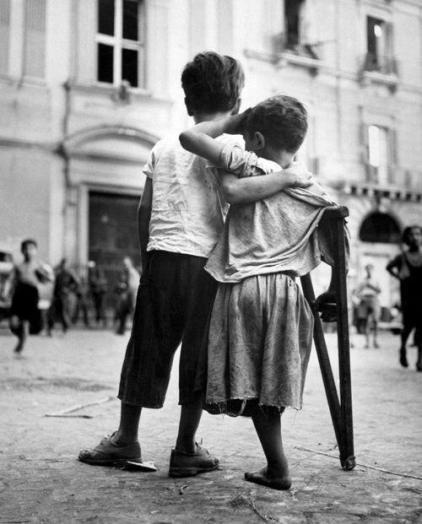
x: 201, y: 138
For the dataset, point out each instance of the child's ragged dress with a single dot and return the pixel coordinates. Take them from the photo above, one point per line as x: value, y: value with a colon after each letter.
x: 261, y: 326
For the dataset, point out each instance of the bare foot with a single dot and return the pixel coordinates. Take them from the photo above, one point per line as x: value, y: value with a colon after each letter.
x: 263, y: 478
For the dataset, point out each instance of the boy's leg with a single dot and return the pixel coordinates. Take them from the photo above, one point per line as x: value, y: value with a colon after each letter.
x: 188, y: 458
x: 148, y: 360
x: 127, y: 432
x: 190, y: 416
x: 368, y: 326
x: 407, y: 328
x: 418, y: 344
x: 268, y: 427
x: 22, y: 336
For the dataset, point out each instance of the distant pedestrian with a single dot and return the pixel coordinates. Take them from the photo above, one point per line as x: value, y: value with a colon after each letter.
x: 126, y: 290
x: 369, y: 306
x: 82, y: 302
x: 25, y: 314
x: 407, y: 267
x: 98, y: 287
x: 65, y: 284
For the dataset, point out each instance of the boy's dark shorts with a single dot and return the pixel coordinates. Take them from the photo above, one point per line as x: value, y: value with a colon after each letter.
x: 173, y: 306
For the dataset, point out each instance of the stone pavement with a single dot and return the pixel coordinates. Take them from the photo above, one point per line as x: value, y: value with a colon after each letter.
x: 41, y: 481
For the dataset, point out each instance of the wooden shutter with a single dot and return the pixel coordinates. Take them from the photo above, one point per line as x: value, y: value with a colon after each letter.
x: 364, y: 150
x: 35, y: 25
x: 392, y: 156
x: 4, y: 35
x: 390, y: 61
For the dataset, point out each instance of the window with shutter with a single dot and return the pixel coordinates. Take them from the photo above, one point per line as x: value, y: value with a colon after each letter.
x: 4, y: 35
x: 34, y: 46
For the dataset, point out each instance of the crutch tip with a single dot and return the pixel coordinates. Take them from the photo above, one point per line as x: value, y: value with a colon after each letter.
x: 348, y: 463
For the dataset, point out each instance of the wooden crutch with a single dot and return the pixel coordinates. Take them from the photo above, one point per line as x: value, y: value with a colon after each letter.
x: 340, y: 408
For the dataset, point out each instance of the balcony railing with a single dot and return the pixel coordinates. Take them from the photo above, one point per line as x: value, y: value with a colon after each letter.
x: 386, y: 65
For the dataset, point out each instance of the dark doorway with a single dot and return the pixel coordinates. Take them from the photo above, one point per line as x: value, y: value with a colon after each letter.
x: 380, y: 227
x: 112, y: 235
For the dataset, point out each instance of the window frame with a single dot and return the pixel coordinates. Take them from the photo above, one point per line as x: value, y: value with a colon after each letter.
x: 118, y: 43
x: 380, y: 168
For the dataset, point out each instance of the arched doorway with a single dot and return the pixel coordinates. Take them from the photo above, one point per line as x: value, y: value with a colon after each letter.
x: 380, y: 235
x: 380, y: 228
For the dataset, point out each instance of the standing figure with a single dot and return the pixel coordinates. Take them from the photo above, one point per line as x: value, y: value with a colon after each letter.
x: 369, y: 306
x: 407, y: 267
x: 25, y: 315
x: 82, y: 302
x: 261, y: 326
x: 66, y: 283
x: 98, y: 288
x: 126, y: 290
x: 181, y: 216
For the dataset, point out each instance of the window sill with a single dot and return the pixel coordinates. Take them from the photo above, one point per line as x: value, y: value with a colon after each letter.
x: 301, y: 60
x: 22, y: 81
x: 285, y: 58
x: 106, y: 89
x: 390, y: 80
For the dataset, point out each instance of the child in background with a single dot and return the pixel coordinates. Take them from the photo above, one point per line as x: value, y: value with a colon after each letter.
x: 29, y: 276
x: 407, y: 267
x: 181, y: 217
x: 261, y: 326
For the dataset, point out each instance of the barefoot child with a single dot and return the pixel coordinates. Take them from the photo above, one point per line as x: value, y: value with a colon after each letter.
x: 25, y: 315
x: 180, y: 219
x: 261, y: 326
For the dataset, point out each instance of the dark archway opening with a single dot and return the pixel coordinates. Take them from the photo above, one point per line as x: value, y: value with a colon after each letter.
x: 380, y: 227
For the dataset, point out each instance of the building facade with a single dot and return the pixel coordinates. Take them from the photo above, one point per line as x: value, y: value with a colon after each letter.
x: 88, y: 86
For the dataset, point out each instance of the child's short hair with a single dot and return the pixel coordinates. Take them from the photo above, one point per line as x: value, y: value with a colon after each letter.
x: 407, y: 232
x: 212, y: 82
x: 28, y: 242
x: 282, y: 120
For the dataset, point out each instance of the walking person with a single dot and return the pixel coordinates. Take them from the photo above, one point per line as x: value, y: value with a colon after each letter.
x: 29, y: 275
x: 82, y: 301
x: 407, y: 268
x: 369, y: 308
x: 65, y: 284
x: 98, y: 287
x: 126, y: 294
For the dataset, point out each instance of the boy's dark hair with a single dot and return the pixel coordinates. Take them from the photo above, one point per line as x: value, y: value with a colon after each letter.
x: 28, y: 242
x: 212, y: 83
x: 282, y: 120
x: 406, y: 233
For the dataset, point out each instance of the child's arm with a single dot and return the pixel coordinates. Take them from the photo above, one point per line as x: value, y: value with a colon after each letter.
x: 200, y: 140
x: 393, y: 267
x: 246, y: 190
x: 144, y: 216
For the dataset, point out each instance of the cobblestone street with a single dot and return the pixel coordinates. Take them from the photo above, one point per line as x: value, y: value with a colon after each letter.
x: 41, y: 480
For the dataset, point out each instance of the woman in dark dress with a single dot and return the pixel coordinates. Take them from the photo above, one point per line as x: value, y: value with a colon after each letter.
x: 407, y: 267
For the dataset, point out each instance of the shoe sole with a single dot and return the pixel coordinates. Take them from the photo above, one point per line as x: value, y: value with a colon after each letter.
x: 107, y: 462
x: 190, y: 472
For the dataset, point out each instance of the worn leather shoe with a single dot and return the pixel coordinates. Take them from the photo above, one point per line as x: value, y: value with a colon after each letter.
x: 184, y: 464
x: 109, y: 454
